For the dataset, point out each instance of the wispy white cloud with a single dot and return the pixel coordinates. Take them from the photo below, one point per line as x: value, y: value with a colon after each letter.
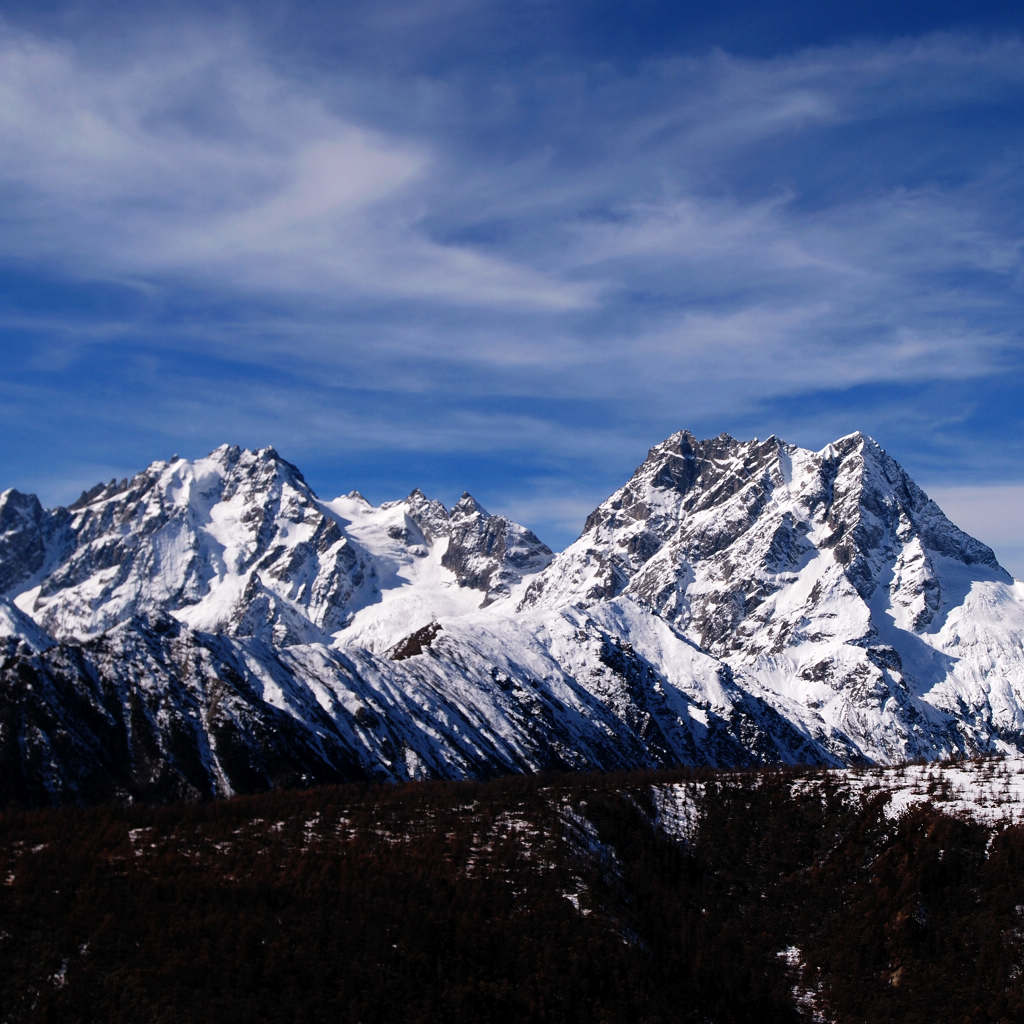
x: 204, y: 163
x: 725, y: 101
x: 617, y: 251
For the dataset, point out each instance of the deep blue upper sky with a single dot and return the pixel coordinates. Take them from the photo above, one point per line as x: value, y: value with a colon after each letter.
x: 506, y: 247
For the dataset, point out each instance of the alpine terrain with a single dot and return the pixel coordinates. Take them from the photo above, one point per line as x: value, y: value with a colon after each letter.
x: 213, y: 626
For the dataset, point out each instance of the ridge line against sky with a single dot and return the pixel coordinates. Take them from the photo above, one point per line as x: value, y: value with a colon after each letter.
x: 506, y: 248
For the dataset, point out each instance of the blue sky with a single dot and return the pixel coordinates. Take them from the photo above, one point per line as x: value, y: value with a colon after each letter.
x: 506, y: 247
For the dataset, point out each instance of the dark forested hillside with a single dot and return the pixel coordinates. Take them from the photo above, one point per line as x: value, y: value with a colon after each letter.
x: 786, y: 897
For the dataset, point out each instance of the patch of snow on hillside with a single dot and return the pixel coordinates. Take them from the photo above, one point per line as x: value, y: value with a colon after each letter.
x: 990, y: 791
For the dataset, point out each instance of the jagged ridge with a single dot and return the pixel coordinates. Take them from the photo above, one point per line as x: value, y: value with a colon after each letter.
x: 734, y: 602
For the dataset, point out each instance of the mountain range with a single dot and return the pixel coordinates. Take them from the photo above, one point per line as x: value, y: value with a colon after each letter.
x: 213, y: 626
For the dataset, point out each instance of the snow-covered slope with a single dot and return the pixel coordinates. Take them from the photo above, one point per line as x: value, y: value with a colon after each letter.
x: 828, y: 576
x: 235, y: 542
x: 213, y: 625
x: 429, y: 563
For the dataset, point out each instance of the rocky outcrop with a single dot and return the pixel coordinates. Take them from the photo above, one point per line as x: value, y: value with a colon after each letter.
x: 490, y: 553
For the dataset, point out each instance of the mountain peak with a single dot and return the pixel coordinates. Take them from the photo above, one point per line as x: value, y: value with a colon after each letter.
x: 231, y: 454
x: 857, y: 440
x: 468, y: 505
x: 856, y: 435
x: 706, y: 532
x: 490, y: 552
x: 428, y: 514
x: 17, y: 503
x: 266, y: 462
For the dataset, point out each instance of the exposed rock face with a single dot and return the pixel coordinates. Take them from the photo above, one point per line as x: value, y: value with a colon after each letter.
x: 213, y: 626
x: 429, y: 516
x: 490, y: 553
x: 28, y: 536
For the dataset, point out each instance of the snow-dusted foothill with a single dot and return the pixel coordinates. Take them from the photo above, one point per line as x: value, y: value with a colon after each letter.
x: 213, y: 625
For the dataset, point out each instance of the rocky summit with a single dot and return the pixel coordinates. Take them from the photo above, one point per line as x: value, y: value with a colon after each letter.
x: 213, y: 626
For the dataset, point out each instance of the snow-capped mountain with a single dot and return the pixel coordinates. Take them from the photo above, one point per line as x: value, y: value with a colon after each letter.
x: 828, y: 576
x: 213, y: 625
